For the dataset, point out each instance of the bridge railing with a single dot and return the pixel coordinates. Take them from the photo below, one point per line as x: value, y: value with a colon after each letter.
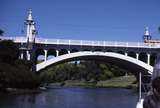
x: 97, y: 43
x: 84, y: 42
x: 19, y: 39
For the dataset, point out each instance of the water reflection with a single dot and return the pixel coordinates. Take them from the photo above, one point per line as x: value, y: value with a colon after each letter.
x: 72, y: 98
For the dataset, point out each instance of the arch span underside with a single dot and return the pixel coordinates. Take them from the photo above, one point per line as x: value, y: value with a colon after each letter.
x: 126, y: 62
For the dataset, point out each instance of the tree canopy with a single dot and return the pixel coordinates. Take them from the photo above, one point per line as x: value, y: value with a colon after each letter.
x: 15, y: 73
x: 159, y: 28
x: 1, y: 32
x: 8, y: 52
x: 85, y: 70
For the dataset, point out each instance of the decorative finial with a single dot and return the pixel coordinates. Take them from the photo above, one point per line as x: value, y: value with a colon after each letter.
x: 30, y: 15
x: 147, y: 31
x: 30, y: 11
x: 147, y: 35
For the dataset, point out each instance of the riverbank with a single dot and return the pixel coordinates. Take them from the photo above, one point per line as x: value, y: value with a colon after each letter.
x: 127, y: 82
x: 22, y: 91
x: 118, y: 82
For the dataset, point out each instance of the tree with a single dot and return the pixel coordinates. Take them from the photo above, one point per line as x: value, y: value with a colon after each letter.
x: 1, y: 32
x: 9, y: 52
x: 17, y: 76
x: 159, y: 28
x: 15, y: 73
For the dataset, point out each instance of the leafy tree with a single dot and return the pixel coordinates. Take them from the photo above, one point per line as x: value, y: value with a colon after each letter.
x: 9, y: 52
x: 105, y: 72
x: 1, y: 32
x: 14, y: 72
x: 26, y: 63
x: 17, y: 76
x: 85, y: 70
x: 159, y: 28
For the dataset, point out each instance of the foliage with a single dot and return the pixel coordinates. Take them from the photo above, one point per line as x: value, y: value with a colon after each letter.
x: 159, y: 29
x: 8, y: 52
x: 17, y: 76
x: 85, y: 70
x: 1, y: 32
x: 15, y: 73
x: 27, y: 64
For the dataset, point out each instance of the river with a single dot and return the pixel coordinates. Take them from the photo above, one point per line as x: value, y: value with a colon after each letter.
x: 75, y: 97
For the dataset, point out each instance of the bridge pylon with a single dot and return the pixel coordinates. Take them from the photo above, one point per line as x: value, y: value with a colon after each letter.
x: 31, y: 33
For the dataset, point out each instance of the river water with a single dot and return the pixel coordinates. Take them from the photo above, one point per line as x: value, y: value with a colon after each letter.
x: 76, y: 97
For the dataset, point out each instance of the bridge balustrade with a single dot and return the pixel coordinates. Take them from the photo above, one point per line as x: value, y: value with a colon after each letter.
x: 75, y: 42
x: 103, y: 43
x: 84, y: 42
x: 87, y: 43
x: 7, y: 38
x: 17, y: 39
x: 21, y: 39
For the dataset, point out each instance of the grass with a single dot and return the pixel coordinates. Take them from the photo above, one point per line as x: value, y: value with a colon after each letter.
x: 117, y: 82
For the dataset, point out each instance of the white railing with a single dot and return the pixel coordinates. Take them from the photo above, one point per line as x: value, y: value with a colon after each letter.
x: 84, y: 42
x: 15, y: 39
x: 97, y: 43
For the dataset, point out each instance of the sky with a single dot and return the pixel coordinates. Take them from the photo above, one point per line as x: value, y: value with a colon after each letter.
x: 109, y: 20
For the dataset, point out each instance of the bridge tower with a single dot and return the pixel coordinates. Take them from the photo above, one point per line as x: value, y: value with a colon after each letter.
x: 31, y: 31
x: 30, y: 36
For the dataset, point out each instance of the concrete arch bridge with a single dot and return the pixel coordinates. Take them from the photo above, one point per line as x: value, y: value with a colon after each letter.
x: 134, y: 56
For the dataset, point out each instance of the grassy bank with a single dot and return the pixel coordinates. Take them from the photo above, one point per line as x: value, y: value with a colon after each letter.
x: 118, y: 82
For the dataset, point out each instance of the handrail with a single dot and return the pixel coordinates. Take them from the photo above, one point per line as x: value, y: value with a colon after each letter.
x: 84, y: 42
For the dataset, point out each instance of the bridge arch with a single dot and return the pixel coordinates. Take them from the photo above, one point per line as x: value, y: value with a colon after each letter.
x: 126, y: 62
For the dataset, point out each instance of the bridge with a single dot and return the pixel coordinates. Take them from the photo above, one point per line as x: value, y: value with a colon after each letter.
x: 134, y: 56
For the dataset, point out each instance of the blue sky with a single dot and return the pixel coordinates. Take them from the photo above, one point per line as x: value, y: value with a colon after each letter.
x: 110, y: 20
